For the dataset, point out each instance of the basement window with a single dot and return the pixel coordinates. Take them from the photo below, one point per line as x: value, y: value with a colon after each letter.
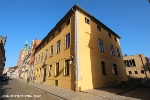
x: 136, y: 72
x: 142, y: 71
x: 56, y: 82
x: 130, y: 72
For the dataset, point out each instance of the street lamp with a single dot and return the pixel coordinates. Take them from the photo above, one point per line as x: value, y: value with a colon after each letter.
x: 143, y: 66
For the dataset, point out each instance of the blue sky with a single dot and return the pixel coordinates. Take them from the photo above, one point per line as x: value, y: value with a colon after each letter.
x: 22, y: 19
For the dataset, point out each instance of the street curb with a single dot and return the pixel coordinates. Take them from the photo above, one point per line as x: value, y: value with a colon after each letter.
x: 44, y: 90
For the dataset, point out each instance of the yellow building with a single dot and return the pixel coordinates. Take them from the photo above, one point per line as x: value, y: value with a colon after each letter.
x: 136, y: 66
x: 79, y: 53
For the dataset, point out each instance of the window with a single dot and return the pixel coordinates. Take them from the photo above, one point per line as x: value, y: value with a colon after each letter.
x: 115, y: 69
x: 68, y: 22
x: 36, y: 60
x: 115, y: 39
x: 67, y: 40
x: 98, y: 28
x: 109, y: 35
x: 53, y: 36
x: 136, y: 72
x: 142, y: 71
x: 87, y: 20
x: 46, y: 54
x: 56, y: 82
x: 101, y: 47
x: 40, y: 72
x: 57, y: 69
x: 41, y: 57
x: 118, y: 52
x: 36, y: 72
x: 130, y: 72
x: 58, y: 47
x: 51, y: 51
x: 66, y: 67
x: 112, y: 50
x: 50, y: 68
x: 103, y: 68
x: 125, y: 62
x: 47, y: 41
x: 59, y: 30
x: 133, y: 62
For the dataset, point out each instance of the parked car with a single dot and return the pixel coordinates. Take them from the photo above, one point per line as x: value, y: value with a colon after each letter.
x: 4, y: 78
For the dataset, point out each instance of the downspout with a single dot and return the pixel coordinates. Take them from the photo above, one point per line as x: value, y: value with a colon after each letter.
x: 76, y: 50
x: 75, y: 46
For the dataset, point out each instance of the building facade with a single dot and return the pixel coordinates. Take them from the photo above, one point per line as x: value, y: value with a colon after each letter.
x: 2, y: 54
x: 22, y: 56
x: 79, y: 53
x: 28, y: 62
x: 136, y: 66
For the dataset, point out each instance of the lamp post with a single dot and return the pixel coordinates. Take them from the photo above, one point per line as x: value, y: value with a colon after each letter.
x: 143, y: 66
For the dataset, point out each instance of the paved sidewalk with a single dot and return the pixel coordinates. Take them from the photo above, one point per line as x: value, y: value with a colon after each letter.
x: 63, y: 93
x: 109, y: 93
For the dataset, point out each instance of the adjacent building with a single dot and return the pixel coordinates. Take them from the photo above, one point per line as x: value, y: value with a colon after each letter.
x: 28, y: 62
x: 22, y: 56
x: 2, y: 54
x: 136, y: 66
x: 79, y: 53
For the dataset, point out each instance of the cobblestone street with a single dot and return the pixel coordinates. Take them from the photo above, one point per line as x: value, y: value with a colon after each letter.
x: 18, y: 89
x: 13, y: 87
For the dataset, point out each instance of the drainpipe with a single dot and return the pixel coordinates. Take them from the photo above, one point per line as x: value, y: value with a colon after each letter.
x: 143, y: 66
x: 75, y: 49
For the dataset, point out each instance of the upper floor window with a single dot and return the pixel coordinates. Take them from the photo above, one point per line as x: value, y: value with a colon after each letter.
x: 53, y: 36
x: 47, y: 41
x: 101, y: 45
x: 41, y: 57
x: 98, y: 28
x: 58, y: 47
x: 87, y: 20
x: 59, y: 30
x: 103, y: 68
x: 46, y: 54
x: 67, y: 40
x: 36, y: 60
x: 68, y: 22
x: 129, y: 63
x: 112, y: 50
x: 115, y: 39
x: 51, y: 51
x: 109, y: 35
x: 118, y: 52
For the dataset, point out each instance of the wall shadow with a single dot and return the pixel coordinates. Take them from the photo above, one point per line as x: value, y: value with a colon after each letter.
x: 3, y: 89
x: 98, y: 78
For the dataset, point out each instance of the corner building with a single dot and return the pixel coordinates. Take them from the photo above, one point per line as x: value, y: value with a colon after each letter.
x: 136, y: 66
x: 79, y: 53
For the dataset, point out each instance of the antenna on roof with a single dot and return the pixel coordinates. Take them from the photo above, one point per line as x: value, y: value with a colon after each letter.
x: 125, y: 54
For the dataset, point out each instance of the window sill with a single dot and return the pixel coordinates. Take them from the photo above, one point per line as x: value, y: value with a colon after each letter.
x: 66, y: 76
x: 57, y: 53
x: 67, y: 48
x: 50, y: 56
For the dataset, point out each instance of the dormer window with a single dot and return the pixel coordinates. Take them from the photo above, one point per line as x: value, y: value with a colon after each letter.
x: 87, y: 20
